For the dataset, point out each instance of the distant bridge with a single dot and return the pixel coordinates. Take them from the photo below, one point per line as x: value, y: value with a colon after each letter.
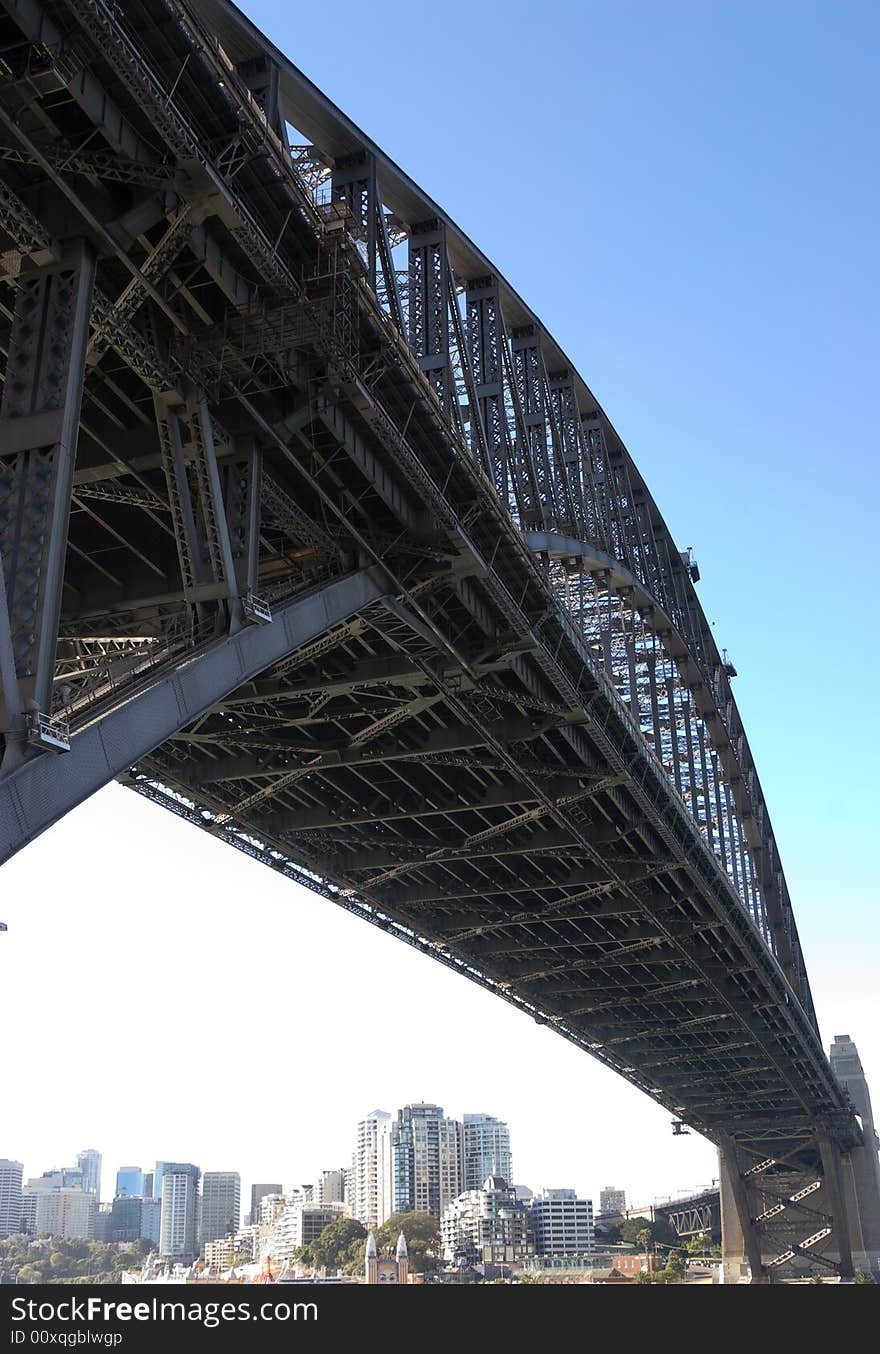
x: 312, y: 534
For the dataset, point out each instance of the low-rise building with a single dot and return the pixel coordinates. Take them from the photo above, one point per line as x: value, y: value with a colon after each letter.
x: 221, y: 1254
x: 563, y: 1223
x: 302, y: 1223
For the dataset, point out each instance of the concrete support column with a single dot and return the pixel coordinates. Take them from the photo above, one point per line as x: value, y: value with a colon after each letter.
x: 830, y: 1153
x: 739, y: 1239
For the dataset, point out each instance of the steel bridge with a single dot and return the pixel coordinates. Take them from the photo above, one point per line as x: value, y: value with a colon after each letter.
x: 312, y: 534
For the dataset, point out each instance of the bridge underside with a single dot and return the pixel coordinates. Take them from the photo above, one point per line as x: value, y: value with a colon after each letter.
x: 343, y: 564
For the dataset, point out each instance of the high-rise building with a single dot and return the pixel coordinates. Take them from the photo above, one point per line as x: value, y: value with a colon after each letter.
x: 67, y: 1213
x: 485, y: 1150
x: 331, y: 1187
x: 102, y: 1223
x: 221, y: 1205
x: 89, y: 1162
x: 10, y: 1196
x: 371, y: 1185
x: 487, y: 1225
x: 562, y: 1222
x: 426, y: 1159
x: 125, y: 1218
x: 257, y: 1193
x: 179, y: 1224
x: 151, y: 1219
x: 133, y: 1217
x: 612, y: 1201
x: 130, y: 1183
x: 149, y: 1192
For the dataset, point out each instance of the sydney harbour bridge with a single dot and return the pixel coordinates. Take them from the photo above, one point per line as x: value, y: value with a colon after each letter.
x: 311, y: 533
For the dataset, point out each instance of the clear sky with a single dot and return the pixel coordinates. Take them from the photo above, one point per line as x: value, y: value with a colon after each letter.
x: 686, y: 193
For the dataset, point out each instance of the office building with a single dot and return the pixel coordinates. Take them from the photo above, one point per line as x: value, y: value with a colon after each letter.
x: 485, y: 1150
x: 562, y: 1223
x: 89, y: 1162
x: 426, y: 1159
x: 130, y: 1183
x: 179, y: 1219
x: 257, y: 1193
x: 371, y: 1184
x: 125, y: 1218
x: 221, y: 1205
x: 612, y: 1201
x: 10, y: 1196
x: 487, y: 1226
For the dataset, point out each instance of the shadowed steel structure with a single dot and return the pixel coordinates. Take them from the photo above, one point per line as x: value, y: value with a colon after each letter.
x: 312, y: 534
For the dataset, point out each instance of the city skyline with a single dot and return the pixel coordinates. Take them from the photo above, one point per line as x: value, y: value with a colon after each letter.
x: 731, y: 308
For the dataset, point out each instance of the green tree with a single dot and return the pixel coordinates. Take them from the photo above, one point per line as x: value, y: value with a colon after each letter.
x: 330, y: 1249
x: 422, y: 1232
x: 631, y: 1228
x: 862, y: 1277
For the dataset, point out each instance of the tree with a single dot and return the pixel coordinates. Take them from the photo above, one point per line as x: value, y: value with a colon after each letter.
x: 643, y: 1238
x: 422, y: 1232
x: 331, y: 1249
x: 862, y: 1277
x: 631, y: 1228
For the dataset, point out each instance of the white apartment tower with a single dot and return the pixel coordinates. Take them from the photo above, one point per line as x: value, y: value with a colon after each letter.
x: 179, y: 1220
x: 221, y: 1205
x: 10, y: 1196
x: 485, y: 1150
x: 371, y: 1187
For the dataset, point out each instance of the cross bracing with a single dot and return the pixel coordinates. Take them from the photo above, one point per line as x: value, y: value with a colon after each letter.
x: 317, y: 520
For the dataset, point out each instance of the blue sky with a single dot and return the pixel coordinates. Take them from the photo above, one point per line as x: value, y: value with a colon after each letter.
x: 684, y: 193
